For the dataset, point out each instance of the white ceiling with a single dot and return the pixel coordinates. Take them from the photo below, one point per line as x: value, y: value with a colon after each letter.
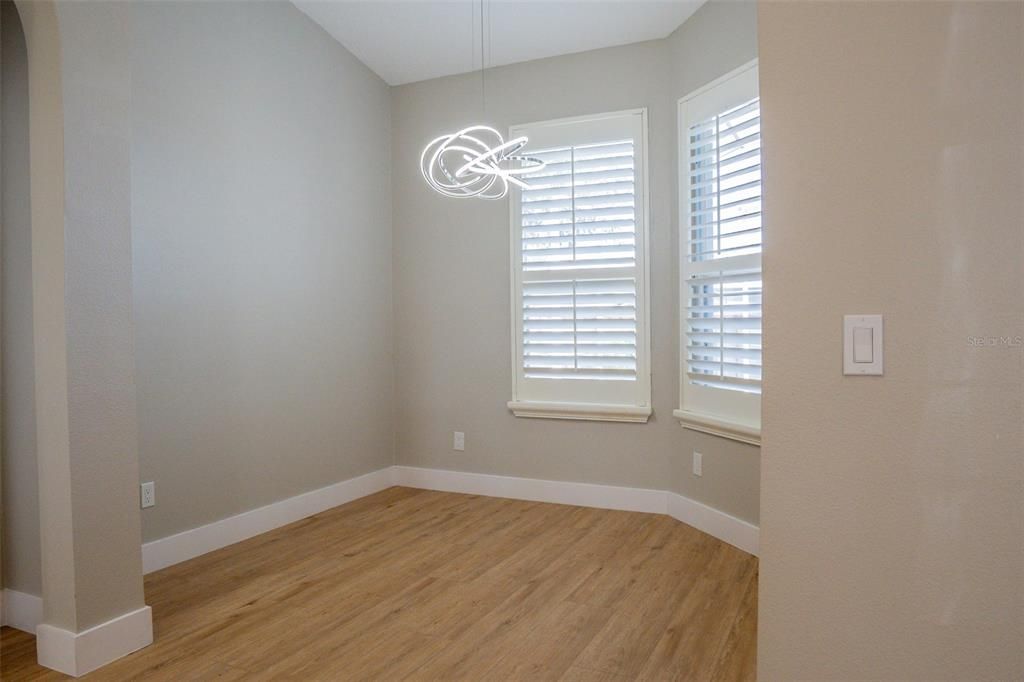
x: 411, y: 40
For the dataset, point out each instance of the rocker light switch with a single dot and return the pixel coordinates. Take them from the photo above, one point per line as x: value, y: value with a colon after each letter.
x: 862, y: 345
x: 862, y: 351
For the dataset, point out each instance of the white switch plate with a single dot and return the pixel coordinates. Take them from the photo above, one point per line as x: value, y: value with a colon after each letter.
x: 148, y: 494
x: 459, y: 441
x: 698, y: 464
x: 862, y: 327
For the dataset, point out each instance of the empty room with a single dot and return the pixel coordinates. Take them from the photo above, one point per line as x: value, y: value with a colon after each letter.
x: 579, y: 340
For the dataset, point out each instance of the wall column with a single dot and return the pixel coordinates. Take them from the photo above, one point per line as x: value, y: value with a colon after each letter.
x: 79, y: 105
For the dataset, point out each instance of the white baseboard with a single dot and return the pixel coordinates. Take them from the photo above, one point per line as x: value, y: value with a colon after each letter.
x: 726, y: 528
x: 533, y: 489
x: 79, y: 653
x: 188, y: 544
x: 197, y: 541
x: 21, y: 611
x: 736, y: 532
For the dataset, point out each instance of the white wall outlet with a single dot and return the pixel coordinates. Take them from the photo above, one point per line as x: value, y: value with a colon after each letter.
x: 148, y: 494
x: 459, y: 441
x: 698, y: 464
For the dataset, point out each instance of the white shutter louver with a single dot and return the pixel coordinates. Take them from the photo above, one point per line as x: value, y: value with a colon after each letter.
x: 722, y: 264
x: 580, y: 329
x: 578, y: 223
x: 723, y: 343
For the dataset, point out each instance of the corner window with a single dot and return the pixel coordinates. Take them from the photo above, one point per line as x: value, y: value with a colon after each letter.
x: 720, y: 258
x: 579, y: 271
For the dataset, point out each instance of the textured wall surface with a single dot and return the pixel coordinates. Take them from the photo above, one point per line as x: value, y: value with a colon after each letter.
x: 892, y: 531
x: 77, y: 364
x: 102, y: 419
x: 262, y: 253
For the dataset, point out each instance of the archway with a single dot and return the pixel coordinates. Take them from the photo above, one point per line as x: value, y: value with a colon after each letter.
x: 21, y: 572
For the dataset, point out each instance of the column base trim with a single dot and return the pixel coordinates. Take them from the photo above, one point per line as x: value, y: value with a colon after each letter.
x: 79, y: 653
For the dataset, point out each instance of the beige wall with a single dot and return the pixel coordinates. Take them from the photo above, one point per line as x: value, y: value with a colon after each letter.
x: 451, y: 269
x: 21, y: 568
x: 47, y: 189
x: 102, y: 418
x: 82, y: 363
x: 262, y: 253
x: 892, y: 520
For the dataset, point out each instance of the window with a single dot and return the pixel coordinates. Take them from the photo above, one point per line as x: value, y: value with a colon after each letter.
x: 720, y: 254
x: 579, y: 270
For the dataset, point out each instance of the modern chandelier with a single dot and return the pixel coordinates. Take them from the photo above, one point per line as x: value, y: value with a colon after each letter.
x: 477, y: 161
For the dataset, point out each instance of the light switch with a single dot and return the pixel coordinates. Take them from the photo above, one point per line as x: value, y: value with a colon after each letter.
x: 862, y: 345
x: 862, y: 351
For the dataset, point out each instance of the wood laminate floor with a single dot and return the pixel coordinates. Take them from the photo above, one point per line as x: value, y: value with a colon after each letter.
x: 422, y: 585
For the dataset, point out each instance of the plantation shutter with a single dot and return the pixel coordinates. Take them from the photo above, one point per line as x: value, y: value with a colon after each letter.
x: 723, y: 320
x: 579, y: 260
x: 721, y: 256
x: 725, y: 184
x: 579, y: 271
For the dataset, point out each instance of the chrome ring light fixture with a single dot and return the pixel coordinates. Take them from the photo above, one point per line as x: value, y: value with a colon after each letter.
x: 477, y: 161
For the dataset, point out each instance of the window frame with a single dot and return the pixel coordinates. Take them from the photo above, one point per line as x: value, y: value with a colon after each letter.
x: 581, y: 399
x: 719, y: 412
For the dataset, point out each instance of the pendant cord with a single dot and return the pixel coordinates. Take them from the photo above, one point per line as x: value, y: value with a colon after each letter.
x: 490, y: 41
x: 483, y: 84
x: 472, y: 34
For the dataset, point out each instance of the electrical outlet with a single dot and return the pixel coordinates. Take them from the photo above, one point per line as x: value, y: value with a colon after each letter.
x: 148, y: 494
x: 459, y: 442
x: 698, y: 464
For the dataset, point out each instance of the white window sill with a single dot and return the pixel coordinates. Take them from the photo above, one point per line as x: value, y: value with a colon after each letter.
x: 744, y: 433
x: 585, y: 411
